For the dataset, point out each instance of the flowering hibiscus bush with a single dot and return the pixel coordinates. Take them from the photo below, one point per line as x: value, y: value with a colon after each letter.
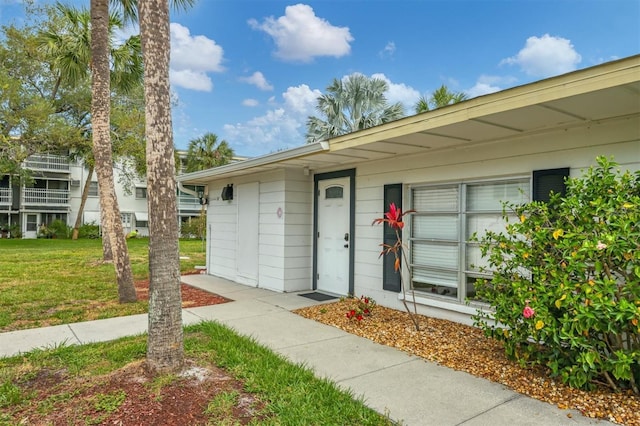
x: 363, y: 308
x: 565, y: 290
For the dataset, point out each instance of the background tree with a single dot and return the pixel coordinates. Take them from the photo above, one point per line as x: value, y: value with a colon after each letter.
x: 100, y: 116
x: 205, y: 152
x: 353, y: 103
x: 127, y: 136
x: 438, y: 99
x: 69, y: 44
x: 34, y: 112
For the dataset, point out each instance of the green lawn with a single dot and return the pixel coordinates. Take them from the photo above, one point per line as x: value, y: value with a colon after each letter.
x: 291, y: 394
x: 45, y: 282
x: 48, y: 282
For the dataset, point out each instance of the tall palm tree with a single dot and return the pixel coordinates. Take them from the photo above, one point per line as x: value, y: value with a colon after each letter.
x: 165, y: 350
x: 205, y: 152
x: 102, y: 150
x: 353, y: 103
x: 438, y: 99
x: 68, y: 41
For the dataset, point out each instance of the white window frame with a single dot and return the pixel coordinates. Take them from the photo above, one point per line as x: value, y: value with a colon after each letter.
x: 126, y: 219
x: 463, y: 271
x: 142, y: 195
x: 94, y: 191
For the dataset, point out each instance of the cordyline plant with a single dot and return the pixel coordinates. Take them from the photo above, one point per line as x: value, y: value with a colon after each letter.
x: 393, y: 218
x: 566, y: 281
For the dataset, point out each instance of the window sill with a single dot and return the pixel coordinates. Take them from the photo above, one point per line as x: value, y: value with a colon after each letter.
x: 447, y: 304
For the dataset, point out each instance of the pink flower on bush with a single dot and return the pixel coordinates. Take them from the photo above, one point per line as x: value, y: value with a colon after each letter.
x: 601, y: 245
x: 528, y: 312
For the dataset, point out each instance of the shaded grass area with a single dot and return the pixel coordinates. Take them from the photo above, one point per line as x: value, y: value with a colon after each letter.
x: 290, y: 393
x: 49, y: 282
x: 293, y: 393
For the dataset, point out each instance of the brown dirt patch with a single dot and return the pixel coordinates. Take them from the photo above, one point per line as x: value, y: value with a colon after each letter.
x: 465, y: 348
x: 131, y: 396
x: 192, y: 297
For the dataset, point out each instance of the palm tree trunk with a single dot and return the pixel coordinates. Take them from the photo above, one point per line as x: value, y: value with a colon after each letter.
x: 102, y: 152
x: 83, y: 201
x: 107, y: 253
x: 165, y: 351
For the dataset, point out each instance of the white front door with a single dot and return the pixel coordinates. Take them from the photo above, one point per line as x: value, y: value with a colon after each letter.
x: 333, y: 235
x: 247, y: 196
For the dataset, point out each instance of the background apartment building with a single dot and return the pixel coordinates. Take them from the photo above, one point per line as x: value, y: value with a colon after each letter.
x: 56, y: 191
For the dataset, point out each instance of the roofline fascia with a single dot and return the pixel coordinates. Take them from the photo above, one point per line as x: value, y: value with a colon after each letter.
x: 272, y: 158
x: 577, y: 82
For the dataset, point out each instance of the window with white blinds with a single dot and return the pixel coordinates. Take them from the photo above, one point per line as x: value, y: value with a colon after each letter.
x: 443, y: 260
x: 435, y: 245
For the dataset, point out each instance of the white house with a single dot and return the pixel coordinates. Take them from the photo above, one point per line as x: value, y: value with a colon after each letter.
x: 301, y: 219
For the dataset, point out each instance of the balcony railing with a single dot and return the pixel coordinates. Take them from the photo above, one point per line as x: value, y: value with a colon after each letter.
x: 48, y: 162
x: 38, y: 196
x: 5, y: 196
x: 188, y: 202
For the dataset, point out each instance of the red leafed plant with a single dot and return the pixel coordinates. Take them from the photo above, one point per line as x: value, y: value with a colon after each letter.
x: 393, y: 218
x: 363, y: 308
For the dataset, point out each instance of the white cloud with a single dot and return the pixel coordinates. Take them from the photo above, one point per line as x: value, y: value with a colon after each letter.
x: 489, y: 84
x: 250, y: 102
x: 546, y: 56
x: 192, y: 57
x: 258, y: 80
x: 120, y: 35
x: 480, y: 89
x: 281, y: 127
x: 301, y: 100
x: 284, y: 125
x: 388, y: 50
x: 189, y: 79
x: 276, y: 130
x: 399, y: 92
x: 300, y: 35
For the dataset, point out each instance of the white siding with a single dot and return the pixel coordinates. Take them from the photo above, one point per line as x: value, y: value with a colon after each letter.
x: 127, y: 201
x: 222, y: 220
x: 299, y: 231
x: 285, y: 250
x: 574, y: 148
x: 271, y: 259
x: 285, y: 230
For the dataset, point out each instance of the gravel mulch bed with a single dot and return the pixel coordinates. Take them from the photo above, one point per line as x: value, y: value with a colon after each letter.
x: 465, y: 348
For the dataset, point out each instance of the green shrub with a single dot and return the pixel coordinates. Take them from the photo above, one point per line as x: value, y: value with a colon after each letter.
x: 195, y: 227
x: 89, y: 230
x: 15, y: 231
x: 59, y: 229
x: 566, y: 281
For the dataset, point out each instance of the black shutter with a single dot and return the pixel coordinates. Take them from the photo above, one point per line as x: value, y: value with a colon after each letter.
x: 547, y: 181
x: 391, y: 278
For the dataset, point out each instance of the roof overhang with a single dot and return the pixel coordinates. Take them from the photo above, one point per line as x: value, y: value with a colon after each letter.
x: 604, y: 92
x: 295, y: 157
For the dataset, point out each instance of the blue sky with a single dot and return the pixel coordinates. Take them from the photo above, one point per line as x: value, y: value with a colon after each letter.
x: 250, y: 70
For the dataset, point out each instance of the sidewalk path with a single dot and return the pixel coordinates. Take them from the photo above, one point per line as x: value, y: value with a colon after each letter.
x: 405, y: 387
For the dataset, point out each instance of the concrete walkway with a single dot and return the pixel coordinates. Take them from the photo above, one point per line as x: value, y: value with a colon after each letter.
x: 405, y: 387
